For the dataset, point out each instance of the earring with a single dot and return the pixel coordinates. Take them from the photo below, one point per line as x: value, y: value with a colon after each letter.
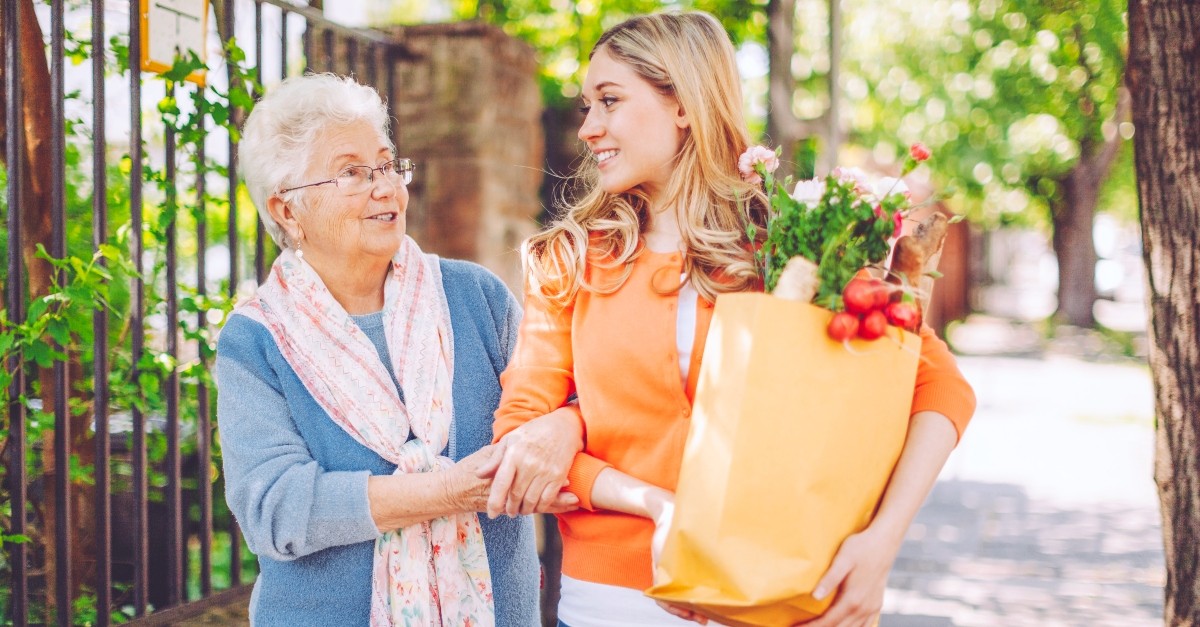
x: 299, y: 254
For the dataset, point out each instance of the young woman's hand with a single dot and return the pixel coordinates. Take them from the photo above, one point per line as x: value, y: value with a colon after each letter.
x: 683, y: 612
x: 534, y: 468
x: 858, y: 575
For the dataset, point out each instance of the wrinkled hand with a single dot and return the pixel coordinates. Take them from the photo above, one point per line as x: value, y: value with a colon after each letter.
x: 860, y: 570
x: 534, y: 467
x: 469, y: 480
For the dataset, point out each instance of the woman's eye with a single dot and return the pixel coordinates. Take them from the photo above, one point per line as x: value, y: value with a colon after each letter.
x: 350, y: 174
x: 584, y: 109
x: 608, y: 101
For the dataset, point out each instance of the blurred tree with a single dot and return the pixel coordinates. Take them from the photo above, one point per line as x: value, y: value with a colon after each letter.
x: 1020, y: 101
x: 1164, y: 61
x: 563, y: 33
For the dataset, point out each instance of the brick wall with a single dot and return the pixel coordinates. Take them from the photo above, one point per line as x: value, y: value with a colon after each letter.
x: 469, y: 113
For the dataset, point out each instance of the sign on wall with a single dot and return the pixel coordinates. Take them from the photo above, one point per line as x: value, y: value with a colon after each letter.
x: 169, y: 29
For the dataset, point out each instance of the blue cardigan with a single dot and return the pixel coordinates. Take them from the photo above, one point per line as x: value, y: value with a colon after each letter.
x: 297, y: 483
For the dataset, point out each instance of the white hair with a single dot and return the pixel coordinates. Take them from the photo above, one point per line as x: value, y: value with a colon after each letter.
x: 279, y: 136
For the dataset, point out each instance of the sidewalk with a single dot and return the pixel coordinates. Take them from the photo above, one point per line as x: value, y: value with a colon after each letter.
x: 1047, y: 513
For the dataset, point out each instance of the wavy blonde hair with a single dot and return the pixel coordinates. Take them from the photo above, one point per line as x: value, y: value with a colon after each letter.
x: 687, y: 57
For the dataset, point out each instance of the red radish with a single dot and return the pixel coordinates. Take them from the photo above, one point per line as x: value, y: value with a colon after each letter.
x: 902, y: 314
x: 843, y: 326
x: 880, y: 292
x: 873, y: 326
x: 863, y: 296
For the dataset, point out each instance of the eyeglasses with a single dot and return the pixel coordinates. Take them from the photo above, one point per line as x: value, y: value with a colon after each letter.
x: 356, y: 179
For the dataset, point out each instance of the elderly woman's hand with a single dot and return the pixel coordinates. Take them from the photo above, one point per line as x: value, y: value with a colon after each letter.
x: 537, y: 457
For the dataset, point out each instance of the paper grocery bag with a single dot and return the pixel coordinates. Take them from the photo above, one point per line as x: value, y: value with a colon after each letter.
x: 793, y: 439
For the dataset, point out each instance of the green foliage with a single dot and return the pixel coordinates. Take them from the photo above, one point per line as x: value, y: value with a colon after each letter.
x: 839, y: 225
x: 59, y: 326
x: 1018, y: 91
x: 562, y: 32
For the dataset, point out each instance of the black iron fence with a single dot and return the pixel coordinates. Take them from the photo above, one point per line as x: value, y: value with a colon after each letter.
x: 110, y: 504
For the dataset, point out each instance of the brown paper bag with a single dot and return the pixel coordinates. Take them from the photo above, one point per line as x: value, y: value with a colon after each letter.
x: 793, y: 439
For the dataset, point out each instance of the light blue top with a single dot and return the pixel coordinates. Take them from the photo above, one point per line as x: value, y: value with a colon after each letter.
x: 297, y: 483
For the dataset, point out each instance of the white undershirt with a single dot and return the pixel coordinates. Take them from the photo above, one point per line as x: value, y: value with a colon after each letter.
x: 588, y: 604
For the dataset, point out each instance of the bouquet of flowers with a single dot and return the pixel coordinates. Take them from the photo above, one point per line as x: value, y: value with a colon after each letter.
x: 825, y: 232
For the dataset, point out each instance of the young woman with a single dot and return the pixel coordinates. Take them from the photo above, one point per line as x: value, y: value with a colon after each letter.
x: 621, y: 291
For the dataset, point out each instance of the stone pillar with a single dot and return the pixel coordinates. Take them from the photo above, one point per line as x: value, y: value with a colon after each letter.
x: 468, y: 111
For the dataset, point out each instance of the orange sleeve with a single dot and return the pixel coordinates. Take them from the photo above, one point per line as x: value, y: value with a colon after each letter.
x: 940, y: 386
x: 540, y: 375
x: 539, y: 379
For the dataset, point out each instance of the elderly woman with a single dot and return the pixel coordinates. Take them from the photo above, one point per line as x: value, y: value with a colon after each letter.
x: 357, y: 389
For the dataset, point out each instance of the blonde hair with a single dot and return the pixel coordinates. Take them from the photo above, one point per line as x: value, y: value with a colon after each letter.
x: 687, y: 57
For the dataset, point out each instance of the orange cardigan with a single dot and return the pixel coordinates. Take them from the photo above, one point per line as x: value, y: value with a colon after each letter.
x: 618, y: 353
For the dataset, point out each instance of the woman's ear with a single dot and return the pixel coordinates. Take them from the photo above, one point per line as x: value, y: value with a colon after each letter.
x: 283, y: 215
x: 681, y: 118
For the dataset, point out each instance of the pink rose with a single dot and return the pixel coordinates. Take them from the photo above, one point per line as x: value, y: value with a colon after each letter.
x: 755, y: 156
x: 919, y: 152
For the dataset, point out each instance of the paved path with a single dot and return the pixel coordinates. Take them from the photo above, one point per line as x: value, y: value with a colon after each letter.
x: 1046, y: 514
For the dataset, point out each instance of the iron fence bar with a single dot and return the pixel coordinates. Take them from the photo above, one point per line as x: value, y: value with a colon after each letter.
x: 352, y: 58
x: 373, y: 66
x: 141, y: 525
x: 232, y: 174
x: 283, y: 45
x: 306, y: 43
x: 389, y: 72
x: 103, y: 523
x: 58, y: 249
x: 17, y: 552
x: 174, y: 493
x: 327, y: 56
x: 235, y: 536
x: 203, y: 415
x: 317, y: 17
x: 259, y: 229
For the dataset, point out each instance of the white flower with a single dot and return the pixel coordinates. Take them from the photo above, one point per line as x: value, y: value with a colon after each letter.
x: 887, y: 186
x: 809, y: 192
x: 854, y: 175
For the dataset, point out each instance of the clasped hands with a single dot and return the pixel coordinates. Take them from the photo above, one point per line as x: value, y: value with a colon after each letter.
x: 532, y: 471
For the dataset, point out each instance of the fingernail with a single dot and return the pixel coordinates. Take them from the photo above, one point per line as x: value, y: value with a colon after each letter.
x: 819, y: 594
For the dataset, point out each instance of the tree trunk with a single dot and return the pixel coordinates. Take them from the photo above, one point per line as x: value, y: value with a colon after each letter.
x: 1164, y: 61
x: 784, y: 129
x: 1073, y: 217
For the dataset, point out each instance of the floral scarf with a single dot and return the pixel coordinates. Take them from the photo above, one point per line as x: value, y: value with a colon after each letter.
x: 431, y: 573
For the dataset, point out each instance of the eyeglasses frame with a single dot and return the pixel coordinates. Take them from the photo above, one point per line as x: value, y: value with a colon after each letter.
x: 412, y: 168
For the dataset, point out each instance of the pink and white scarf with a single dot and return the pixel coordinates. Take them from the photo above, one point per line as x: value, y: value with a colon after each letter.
x: 431, y: 573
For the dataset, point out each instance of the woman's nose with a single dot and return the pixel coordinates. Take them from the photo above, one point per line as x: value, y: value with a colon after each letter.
x: 383, y: 186
x: 591, y: 128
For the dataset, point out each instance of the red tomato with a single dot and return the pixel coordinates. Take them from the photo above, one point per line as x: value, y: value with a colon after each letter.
x: 843, y: 326
x: 873, y: 326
